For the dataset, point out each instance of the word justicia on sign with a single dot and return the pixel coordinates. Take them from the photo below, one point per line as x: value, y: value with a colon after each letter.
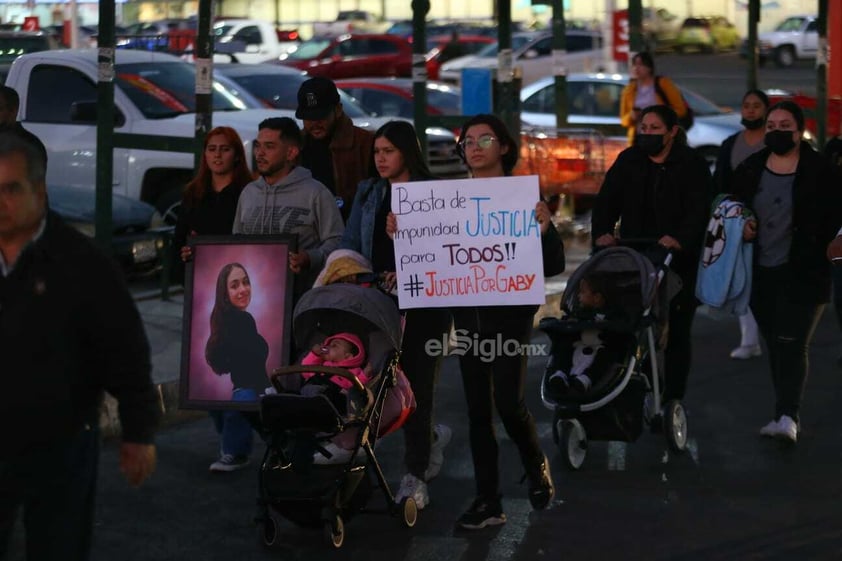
x: 465, y: 343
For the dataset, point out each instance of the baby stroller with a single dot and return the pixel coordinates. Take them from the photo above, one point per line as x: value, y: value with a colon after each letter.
x: 629, y: 394
x: 290, y: 485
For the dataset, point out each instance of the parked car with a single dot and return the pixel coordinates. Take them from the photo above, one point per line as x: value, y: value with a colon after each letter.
x: 352, y: 55
x: 250, y: 40
x: 394, y: 96
x: 660, y: 28
x: 277, y: 86
x: 348, y: 21
x: 138, y: 234
x: 15, y: 43
x: 594, y: 100
x: 533, y: 55
x: 796, y: 37
x: 707, y: 34
x: 438, y: 52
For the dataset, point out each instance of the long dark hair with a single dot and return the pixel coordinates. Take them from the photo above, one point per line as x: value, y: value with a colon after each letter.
x: 669, y: 117
x: 222, y: 307
x: 504, y: 137
x: 199, y: 185
x: 403, y: 136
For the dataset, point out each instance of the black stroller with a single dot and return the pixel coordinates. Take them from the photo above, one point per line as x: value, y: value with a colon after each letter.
x: 629, y: 394
x: 290, y: 485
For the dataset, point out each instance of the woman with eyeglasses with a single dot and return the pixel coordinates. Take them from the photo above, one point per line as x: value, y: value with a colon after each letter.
x: 489, y: 151
x: 398, y: 159
x: 659, y: 188
x: 795, y: 195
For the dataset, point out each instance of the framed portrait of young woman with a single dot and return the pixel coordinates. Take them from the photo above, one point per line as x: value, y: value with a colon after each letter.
x: 237, y: 319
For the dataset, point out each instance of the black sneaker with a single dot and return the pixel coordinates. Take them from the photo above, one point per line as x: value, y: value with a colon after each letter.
x: 483, y: 512
x: 541, y: 488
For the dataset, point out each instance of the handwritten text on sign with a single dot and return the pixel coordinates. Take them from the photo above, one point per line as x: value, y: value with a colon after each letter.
x: 468, y: 242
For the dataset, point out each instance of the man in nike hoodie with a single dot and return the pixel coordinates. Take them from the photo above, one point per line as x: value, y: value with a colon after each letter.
x: 285, y: 199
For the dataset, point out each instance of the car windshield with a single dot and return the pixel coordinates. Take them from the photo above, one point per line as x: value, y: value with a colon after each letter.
x: 445, y: 99
x: 280, y: 91
x: 701, y: 106
x: 166, y: 89
x: 790, y: 24
x: 308, y: 49
x: 12, y: 47
x: 491, y: 49
x: 222, y: 30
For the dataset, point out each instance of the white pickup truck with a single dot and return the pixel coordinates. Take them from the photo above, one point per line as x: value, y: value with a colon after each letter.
x: 349, y: 21
x: 154, y: 94
x: 796, y: 37
x: 249, y: 40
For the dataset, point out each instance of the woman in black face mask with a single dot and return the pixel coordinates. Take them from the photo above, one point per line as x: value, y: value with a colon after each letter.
x: 797, y: 201
x: 733, y: 151
x: 659, y: 188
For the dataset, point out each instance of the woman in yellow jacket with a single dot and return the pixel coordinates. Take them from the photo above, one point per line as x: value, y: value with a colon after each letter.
x: 642, y: 92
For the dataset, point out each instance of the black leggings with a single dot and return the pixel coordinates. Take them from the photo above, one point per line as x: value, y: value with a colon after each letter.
x: 787, y: 327
x: 496, y: 378
x: 678, y: 352
x: 422, y: 368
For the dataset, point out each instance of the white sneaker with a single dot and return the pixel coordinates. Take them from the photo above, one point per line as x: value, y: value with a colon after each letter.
x: 746, y: 352
x: 441, y: 438
x: 770, y: 429
x: 787, y: 429
x: 413, y: 487
x: 337, y: 455
x: 229, y: 462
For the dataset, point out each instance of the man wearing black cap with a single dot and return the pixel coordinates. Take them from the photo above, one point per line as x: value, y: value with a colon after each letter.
x: 336, y: 152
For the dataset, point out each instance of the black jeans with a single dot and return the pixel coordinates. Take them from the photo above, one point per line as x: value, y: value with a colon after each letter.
x: 54, y: 486
x: 422, y: 369
x: 678, y: 352
x: 787, y: 327
x: 496, y: 380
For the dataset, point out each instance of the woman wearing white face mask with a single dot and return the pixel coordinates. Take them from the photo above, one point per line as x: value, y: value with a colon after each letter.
x: 659, y: 188
x: 795, y: 195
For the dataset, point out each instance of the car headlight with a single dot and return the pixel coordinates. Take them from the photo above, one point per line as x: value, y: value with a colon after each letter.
x: 157, y: 221
x: 87, y: 228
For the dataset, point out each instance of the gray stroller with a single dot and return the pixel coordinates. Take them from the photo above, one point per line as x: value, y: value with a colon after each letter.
x: 291, y: 485
x: 630, y: 393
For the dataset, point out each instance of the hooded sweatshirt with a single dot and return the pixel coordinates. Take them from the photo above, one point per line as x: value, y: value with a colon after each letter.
x: 297, y: 204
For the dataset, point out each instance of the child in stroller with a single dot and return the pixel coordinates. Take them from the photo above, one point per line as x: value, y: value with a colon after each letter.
x: 292, y: 484
x: 343, y: 350
x: 585, y: 360
x: 626, y: 372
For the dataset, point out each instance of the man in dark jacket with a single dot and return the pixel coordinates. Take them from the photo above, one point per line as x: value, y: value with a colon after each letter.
x: 9, y: 106
x: 68, y: 331
x: 337, y: 153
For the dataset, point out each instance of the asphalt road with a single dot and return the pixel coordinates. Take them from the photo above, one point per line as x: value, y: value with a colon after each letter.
x: 723, y: 77
x: 733, y: 495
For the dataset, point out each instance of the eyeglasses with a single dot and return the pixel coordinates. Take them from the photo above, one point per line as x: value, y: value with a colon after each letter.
x: 483, y: 142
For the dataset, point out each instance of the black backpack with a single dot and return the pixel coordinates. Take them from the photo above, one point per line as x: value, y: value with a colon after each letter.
x: 687, y: 120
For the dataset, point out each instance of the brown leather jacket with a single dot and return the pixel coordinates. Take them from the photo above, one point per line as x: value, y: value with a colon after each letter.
x: 351, y: 150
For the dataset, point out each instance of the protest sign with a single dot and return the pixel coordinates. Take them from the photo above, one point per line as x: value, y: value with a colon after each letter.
x: 468, y: 242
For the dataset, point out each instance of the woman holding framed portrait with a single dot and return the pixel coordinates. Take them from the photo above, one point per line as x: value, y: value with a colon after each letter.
x: 207, y: 209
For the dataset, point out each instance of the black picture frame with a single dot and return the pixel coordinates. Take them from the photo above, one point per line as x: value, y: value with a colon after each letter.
x: 220, y: 348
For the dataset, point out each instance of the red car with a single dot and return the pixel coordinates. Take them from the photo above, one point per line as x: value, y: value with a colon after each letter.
x: 352, y: 55
x: 392, y: 97
x: 438, y: 54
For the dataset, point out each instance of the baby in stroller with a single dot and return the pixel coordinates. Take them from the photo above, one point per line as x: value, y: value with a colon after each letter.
x: 586, y: 351
x: 343, y: 350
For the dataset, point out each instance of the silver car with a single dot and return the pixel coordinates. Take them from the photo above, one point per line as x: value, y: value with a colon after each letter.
x: 533, y: 55
x: 594, y: 99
